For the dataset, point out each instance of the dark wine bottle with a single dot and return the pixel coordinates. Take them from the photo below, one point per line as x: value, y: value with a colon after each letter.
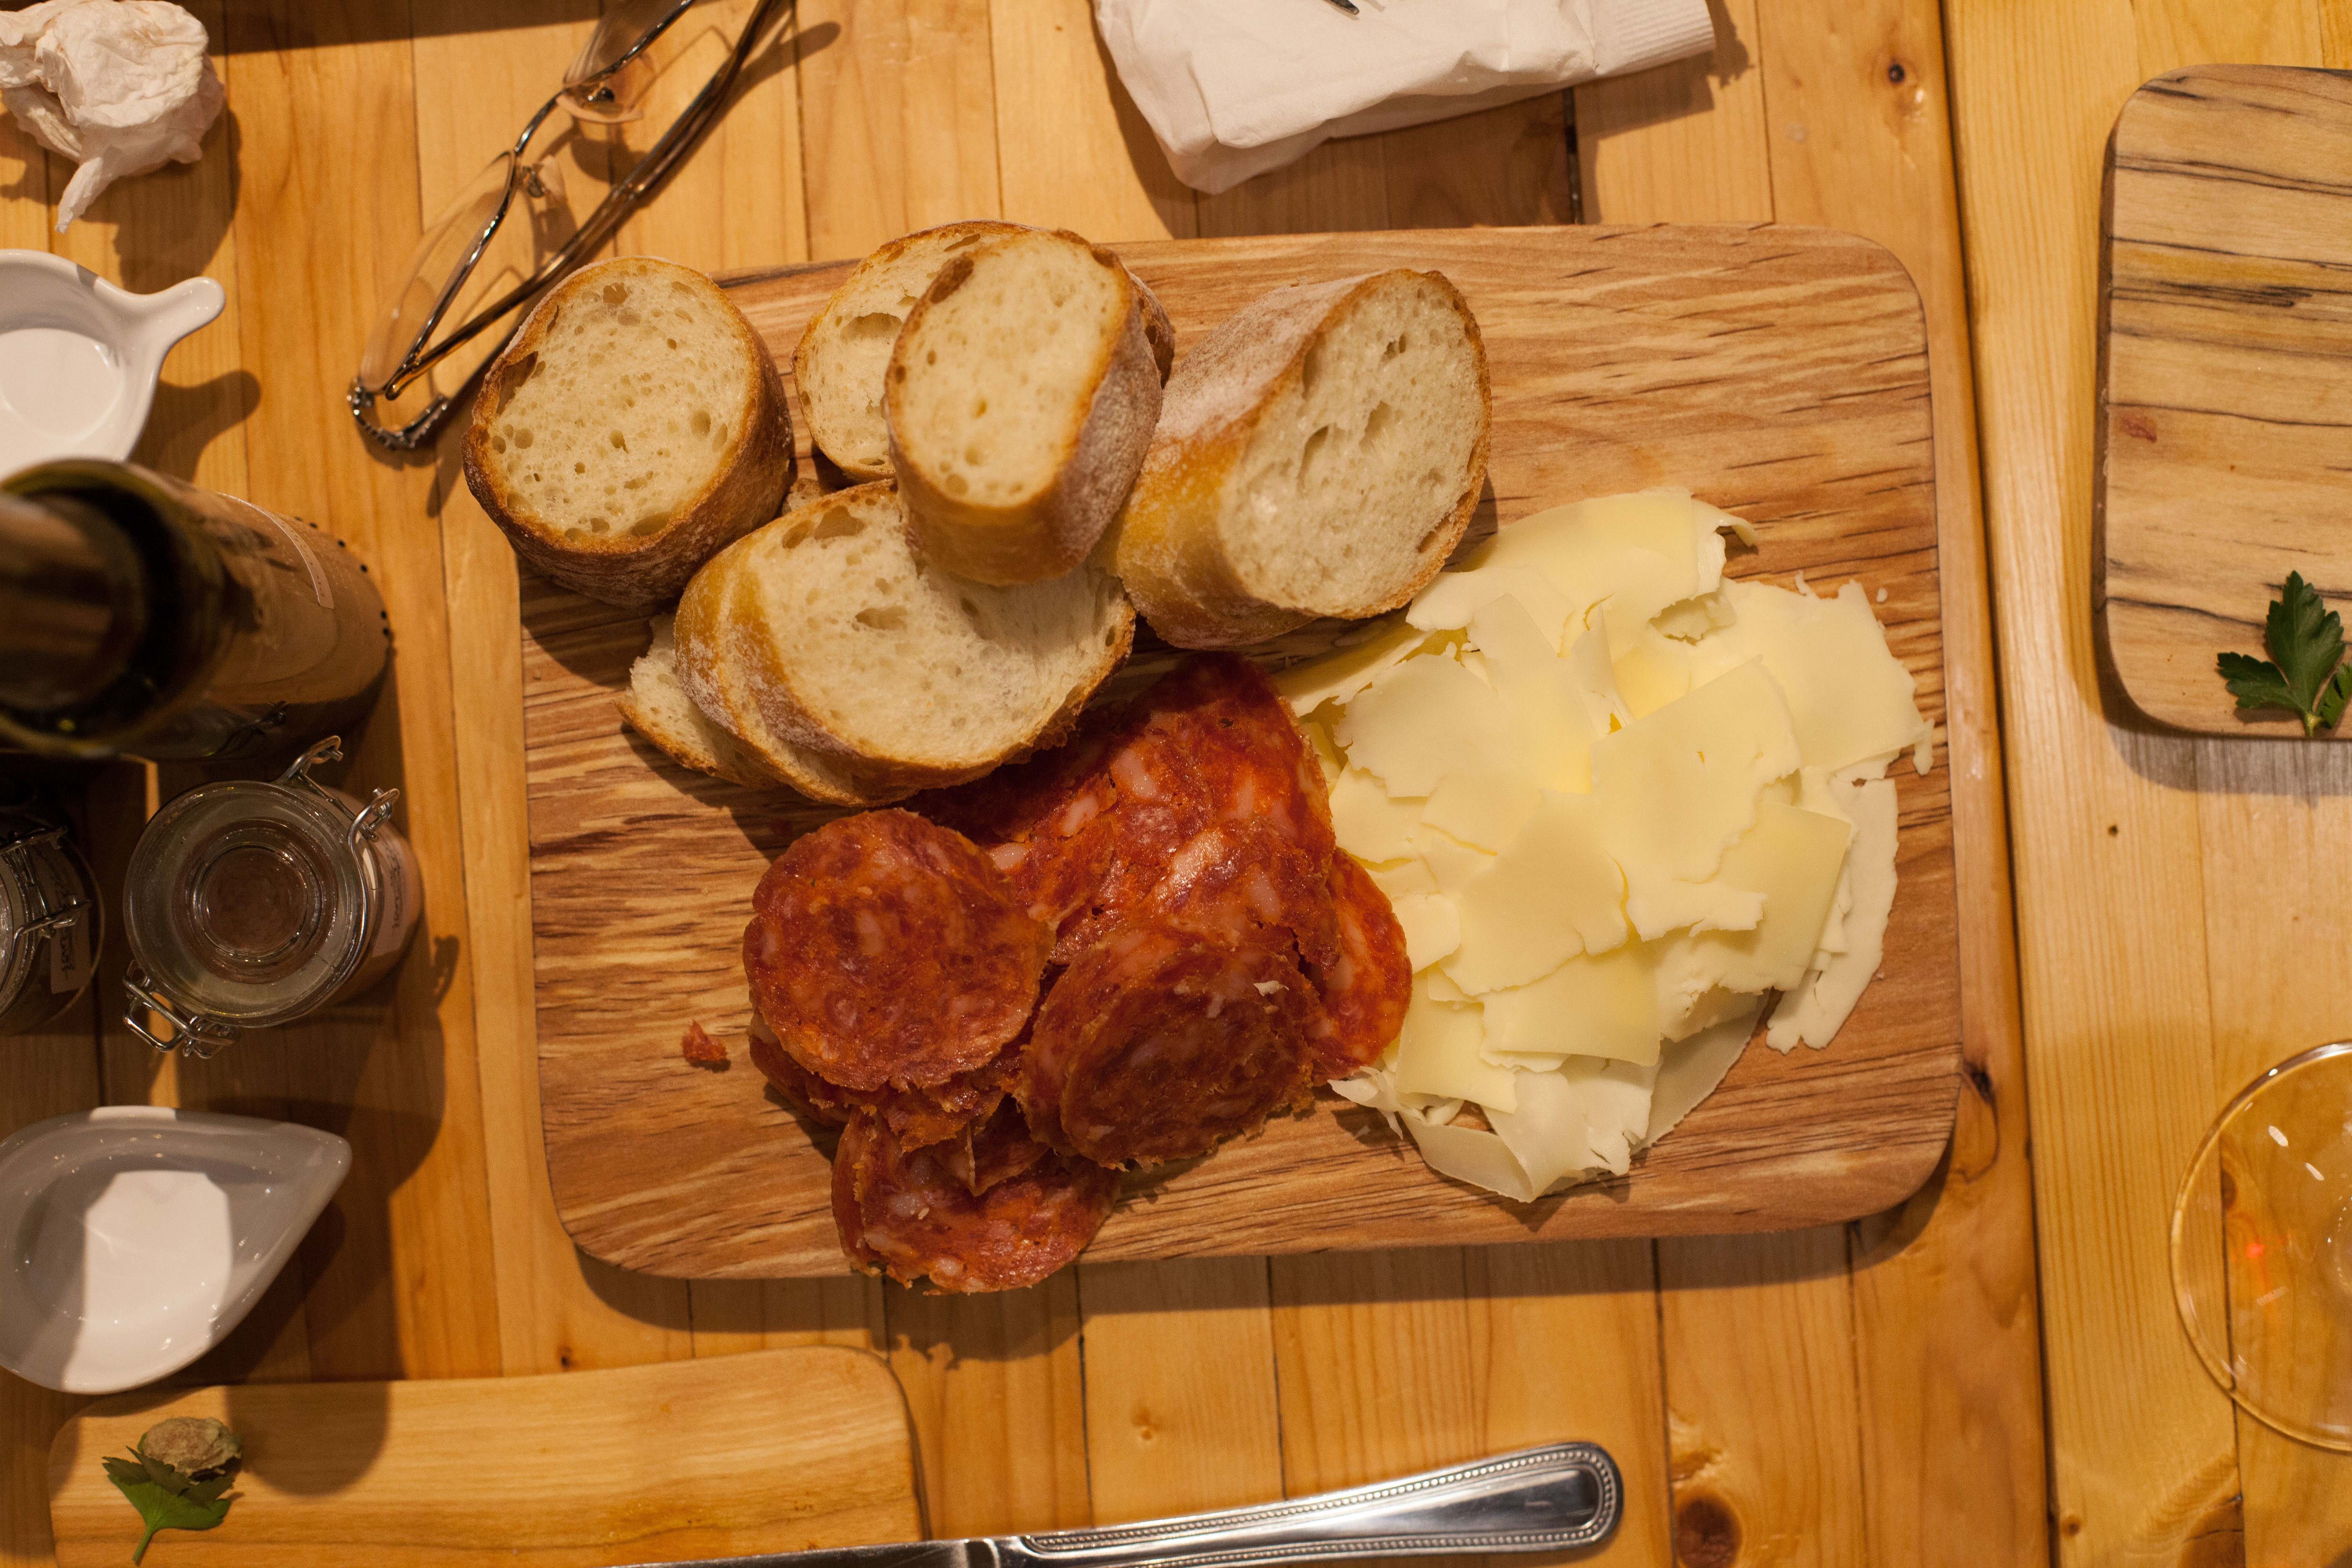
x: 139, y: 614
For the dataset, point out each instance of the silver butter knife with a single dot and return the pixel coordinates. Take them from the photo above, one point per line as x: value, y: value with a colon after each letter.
x: 1552, y: 1499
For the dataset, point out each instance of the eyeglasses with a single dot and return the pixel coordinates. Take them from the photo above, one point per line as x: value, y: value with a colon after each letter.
x: 475, y: 269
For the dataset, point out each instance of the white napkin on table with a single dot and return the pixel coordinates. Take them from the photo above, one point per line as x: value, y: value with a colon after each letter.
x: 118, y: 86
x: 1233, y: 87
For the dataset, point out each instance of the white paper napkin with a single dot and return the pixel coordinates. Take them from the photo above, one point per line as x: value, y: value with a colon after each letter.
x: 1233, y: 87
x: 118, y: 86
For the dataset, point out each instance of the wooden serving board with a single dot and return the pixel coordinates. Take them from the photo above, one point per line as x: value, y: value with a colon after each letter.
x: 2226, y: 383
x: 1781, y: 373
x: 772, y: 1451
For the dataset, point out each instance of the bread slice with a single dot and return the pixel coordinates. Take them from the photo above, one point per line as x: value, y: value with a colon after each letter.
x: 854, y: 651
x: 656, y: 706
x: 845, y: 347
x: 722, y: 688
x: 1021, y: 396
x: 633, y: 427
x: 1320, y: 453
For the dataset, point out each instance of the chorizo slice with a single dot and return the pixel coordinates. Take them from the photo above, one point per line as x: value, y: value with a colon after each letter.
x: 1364, y: 991
x: 905, y: 1213
x: 989, y: 1152
x: 1159, y: 1043
x: 886, y: 951
x: 916, y: 1117
x: 1247, y: 882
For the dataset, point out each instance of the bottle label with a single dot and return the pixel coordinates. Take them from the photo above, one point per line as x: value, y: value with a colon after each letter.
x: 255, y: 518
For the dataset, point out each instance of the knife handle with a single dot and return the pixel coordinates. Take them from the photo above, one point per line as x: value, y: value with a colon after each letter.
x: 1551, y: 1498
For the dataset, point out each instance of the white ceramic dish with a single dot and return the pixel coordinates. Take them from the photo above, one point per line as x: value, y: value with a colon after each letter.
x: 138, y: 1236
x: 78, y: 357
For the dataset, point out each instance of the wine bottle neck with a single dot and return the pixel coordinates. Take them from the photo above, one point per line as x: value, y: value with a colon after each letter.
x: 73, y: 602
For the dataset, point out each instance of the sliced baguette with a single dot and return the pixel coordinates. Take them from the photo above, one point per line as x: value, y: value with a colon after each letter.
x: 721, y: 688
x: 1021, y: 397
x: 1319, y: 454
x: 633, y: 427
x: 656, y: 706
x: 845, y: 347
x: 826, y: 629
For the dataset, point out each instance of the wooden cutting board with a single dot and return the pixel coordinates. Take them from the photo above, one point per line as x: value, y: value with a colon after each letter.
x: 774, y: 1451
x: 2226, y: 385
x: 1781, y: 373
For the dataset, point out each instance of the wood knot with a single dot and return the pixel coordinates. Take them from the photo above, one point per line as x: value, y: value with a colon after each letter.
x: 1897, y: 74
x: 2138, y: 427
x: 1706, y: 1534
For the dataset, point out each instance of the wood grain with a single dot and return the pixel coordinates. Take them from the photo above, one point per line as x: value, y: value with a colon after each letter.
x: 2225, y: 411
x: 776, y: 1451
x: 1779, y: 373
x: 2129, y: 905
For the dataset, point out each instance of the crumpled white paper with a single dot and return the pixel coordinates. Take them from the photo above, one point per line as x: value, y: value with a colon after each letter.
x: 118, y: 86
x: 1234, y: 87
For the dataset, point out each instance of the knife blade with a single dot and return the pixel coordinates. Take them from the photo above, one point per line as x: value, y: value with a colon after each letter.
x: 1553, y: 1498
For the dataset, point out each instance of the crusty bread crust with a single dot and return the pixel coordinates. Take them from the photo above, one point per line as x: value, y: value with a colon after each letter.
x: 707, y: 646
x: 807, y: 355
x: 703, y: 747
x: 1051, y: 534
x: 729, y: 670
x: 1168, y: 547
x: 635, y: 572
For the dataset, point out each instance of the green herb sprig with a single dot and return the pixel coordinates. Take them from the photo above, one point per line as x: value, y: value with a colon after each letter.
x: 176, y: 1476
x: 2306, y: 643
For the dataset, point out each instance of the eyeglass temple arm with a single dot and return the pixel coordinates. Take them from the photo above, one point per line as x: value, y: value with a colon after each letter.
x: 608, y: 215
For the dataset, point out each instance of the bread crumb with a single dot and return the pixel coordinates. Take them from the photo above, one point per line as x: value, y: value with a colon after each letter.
x: 699, y: 1048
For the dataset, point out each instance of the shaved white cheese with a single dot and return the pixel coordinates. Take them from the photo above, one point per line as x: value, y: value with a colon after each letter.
x: 1371, y: 825
x: 1589, y: 1006
x: 1554, y: 894
x: 1678, y: 787
x: 1817, y: 1008
x: 1432, y: 928
x: 1338, y: 675
x: 1792, y: 860
x: 1427, y: 718
x: 1689, y: 1071
x: 1612, y: 798
x: 1848, y: 700
x: 1454, y: 601
x: 1437, y: 1054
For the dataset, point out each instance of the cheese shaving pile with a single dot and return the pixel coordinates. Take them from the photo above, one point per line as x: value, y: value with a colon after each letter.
x: 1614, y: 799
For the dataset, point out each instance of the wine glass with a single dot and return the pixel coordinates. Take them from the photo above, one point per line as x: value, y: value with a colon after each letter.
x: 2262, y: 1247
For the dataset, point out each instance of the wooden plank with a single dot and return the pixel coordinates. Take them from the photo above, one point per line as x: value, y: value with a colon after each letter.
x: 2113, y: 870
x: 1181, y: 1412
x: 2223, y: 422
x: 402, y: 1273
x: 1074, y: 151
x: 556, y: 1311
x: 898, y: 108
x: 1682, y: 142
x: 1947, y: 1338
x: 1567, y: 1351
x: 779, y: 1451
x: 1506, y: 165
x: 1656, y: 306
x: 994, y: 1387
x: 1774, y: 1475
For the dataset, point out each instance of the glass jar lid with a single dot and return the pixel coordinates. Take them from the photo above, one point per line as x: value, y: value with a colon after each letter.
x: 248, y: 903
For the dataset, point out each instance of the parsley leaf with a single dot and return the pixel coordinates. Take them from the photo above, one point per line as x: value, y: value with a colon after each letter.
x: 2306, y: 640
x: 168, y: 1497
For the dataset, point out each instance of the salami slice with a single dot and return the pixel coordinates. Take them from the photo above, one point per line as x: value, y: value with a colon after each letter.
x: 887, y: 950
x: 986, y: 1153
x: 905, y: 1213
x: 1246, y: 882
x: 1158, y: 1043
x: 917, y: 1118
x: 1364, y: 993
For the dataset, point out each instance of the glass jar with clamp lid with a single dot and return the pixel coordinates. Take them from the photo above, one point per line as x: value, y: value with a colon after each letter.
x: 252, y: 903
x: 49, y: 929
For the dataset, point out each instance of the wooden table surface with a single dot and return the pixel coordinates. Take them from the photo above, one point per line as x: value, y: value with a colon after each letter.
x: 1869, y: 1393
